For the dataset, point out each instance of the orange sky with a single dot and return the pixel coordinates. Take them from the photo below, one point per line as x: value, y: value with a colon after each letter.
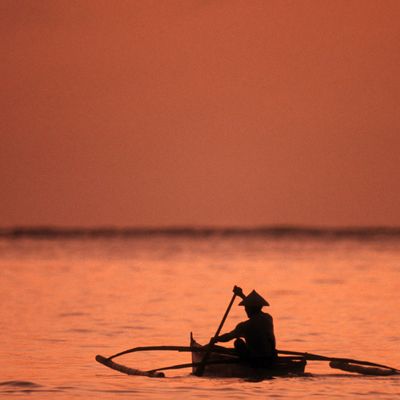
x: 199, y: 112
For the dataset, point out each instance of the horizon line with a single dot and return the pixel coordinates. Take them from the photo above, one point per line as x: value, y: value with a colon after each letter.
x: 199, y: 230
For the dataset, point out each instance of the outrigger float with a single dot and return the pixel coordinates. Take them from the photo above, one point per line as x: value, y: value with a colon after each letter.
x: 217, y: 361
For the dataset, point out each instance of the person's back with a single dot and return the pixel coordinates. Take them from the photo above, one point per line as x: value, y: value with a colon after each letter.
x: 258, y: 332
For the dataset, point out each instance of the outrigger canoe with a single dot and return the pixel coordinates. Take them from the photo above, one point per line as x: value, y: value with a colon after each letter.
x: 217, y: 361
x: 224, y: 364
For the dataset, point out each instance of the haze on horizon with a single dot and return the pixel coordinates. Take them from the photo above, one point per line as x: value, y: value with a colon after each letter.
x: 239, y: 113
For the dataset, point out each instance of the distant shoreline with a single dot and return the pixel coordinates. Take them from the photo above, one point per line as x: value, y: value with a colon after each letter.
x: 271, y: 231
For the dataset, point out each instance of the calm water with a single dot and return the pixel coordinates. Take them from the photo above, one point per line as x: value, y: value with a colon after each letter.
x: 64, y: 301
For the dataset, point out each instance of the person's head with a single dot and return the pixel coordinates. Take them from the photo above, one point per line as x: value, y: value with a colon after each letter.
x: 253, y: 303
x: 252, y: 310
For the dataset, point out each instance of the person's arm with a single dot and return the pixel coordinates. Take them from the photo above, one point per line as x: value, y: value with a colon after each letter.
x: 236, y: 333
x: 226, y: 337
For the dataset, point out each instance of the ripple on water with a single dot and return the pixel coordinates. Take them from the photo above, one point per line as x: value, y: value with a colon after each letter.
x: 8, y: 387
x: 329, y: 281
x: 24, y: 384
x: 17, y: 386
x: 80, y: 330
x: 73, y: 314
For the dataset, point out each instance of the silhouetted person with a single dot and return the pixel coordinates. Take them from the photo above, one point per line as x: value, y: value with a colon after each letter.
x: 258, y: 346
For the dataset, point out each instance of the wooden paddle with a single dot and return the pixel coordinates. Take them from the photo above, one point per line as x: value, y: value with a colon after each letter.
x: 201, y: 367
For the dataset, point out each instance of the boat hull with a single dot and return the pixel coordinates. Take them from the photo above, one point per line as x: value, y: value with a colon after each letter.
x: 285, y: 366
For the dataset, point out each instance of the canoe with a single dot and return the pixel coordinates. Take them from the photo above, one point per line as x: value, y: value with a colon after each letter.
x: 284, y: 366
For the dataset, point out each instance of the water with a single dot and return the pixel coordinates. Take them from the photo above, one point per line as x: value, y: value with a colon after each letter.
x: 64, y: 300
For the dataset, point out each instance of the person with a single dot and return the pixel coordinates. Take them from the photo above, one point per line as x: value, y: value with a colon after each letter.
x: 255, y: 338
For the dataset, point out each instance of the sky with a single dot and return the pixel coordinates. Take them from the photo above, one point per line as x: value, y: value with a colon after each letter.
x: 199, y: 112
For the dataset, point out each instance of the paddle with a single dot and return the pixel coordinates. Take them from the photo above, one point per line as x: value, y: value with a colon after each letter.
x: 201, y: 367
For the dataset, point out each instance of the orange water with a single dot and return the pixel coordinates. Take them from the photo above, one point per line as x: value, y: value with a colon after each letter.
x: 64, y: 301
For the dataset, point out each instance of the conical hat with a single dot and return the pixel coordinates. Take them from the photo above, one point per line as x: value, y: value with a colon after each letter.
x: 254, y: 300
